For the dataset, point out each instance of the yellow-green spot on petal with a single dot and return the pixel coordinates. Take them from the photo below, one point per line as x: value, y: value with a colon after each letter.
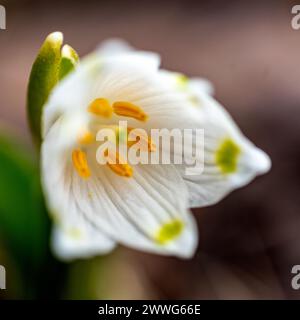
x: 169, y: 231
x: 74, y: 233
x: 182, y: 81
x: 227, y: 156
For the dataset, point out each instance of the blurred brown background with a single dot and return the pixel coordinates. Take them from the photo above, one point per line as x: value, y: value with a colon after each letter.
x: 250, y: 241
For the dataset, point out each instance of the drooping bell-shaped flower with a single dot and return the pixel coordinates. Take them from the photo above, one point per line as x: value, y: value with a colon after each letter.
x: 144, y: 206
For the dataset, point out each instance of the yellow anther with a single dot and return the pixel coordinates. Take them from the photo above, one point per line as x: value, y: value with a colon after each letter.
x: 101, y: 107
x: 124, y: 170
x: 145, y: 142
x: 121, y: 169
x: 80, y: 163
x: 127, y: 109
x: 85, y: 137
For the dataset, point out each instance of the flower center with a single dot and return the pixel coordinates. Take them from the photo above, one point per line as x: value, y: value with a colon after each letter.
x: 80, y: 163
x: 103, y: 108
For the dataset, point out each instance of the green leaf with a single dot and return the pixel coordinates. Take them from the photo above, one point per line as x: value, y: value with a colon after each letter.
x: 44, y: 76
x: 24, y: 225
x: 69, y: 60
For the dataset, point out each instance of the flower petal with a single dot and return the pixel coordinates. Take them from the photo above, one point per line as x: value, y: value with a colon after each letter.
x: 197, y: 85
x: 119, y: 50
x: 79, y: 241
x: 74, y: 236
x: 147, y: 211
x: 193, y: 85
x: 230, y: 159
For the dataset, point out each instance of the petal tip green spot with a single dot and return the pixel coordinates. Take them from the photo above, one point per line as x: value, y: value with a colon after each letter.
x: 169, y: 231
x: 74, y: 233
x: 227, y: 156
x: 182, y: 81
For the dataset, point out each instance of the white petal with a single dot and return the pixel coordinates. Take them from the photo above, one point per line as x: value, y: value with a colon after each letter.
x: 119, y: 51
x: 73, y: 242
x: 193, y: 86
x: 74, y: 236
x: 114, y: 46
x: 133, y: 210
x: 214, y: 183
x: 197, y: 85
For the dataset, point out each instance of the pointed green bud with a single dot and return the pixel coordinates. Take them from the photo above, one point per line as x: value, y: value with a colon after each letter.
x: 69, y: 60
x: 44, y: 76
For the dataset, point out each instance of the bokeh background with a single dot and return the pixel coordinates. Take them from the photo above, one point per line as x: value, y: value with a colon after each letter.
x: 248, y: 242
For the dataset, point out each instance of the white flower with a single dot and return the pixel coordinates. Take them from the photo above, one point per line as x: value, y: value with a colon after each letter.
x: 142, y: 206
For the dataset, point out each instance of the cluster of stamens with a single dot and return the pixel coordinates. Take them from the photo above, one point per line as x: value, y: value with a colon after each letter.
x: 101, y: 107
